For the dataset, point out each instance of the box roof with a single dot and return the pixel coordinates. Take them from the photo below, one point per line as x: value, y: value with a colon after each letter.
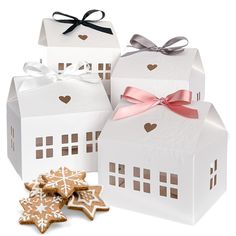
x: 45, y: 101
x: 51, y: 35
x: 173, y: 132
x: 169, y: 67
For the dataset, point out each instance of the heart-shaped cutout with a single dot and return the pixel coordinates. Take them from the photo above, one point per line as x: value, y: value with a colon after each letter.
x: 149, y: 127
x: 151, y: 66
x: 83, y: 36
x: 65, y: 99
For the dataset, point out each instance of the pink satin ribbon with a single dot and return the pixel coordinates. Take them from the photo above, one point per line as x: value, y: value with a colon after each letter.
x: 143, y: 101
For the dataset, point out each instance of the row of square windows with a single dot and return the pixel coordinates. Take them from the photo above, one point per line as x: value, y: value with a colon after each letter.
x: 117, y: 172
x: 144, y: 181
x: 104, y: 69
x: 65, y: 151
x: 120, y: 182
x: 145, y: 173
x: 65, y: 138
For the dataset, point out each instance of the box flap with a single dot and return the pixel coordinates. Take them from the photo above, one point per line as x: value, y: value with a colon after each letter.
x: 42, y: 36
x: 161, y: 67
x: 12, y: 100
x: 62, y: 97
x: 159, y: 126
x: 51, y: 35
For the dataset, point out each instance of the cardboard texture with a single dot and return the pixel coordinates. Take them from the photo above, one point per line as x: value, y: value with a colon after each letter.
x: 55, y: 125
x: 159, y: 74
x: 164, y: 164
x: 100, y: 49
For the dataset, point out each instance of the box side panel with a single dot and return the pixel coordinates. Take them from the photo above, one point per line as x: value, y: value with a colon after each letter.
x: 14, y: 139
x: 65, y: 140
x: 132, y: 179
x: 210, y: 172
x: 197, y: 79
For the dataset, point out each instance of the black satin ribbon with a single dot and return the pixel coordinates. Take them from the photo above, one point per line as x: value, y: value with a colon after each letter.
x: 88, y: 23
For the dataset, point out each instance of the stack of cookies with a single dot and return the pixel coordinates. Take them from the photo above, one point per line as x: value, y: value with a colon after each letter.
x: 50, y: 192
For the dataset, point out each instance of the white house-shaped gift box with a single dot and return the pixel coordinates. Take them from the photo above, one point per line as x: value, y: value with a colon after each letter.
x: 100, y: 49
x: 164, y: 164
x: 55, y: 125
x: 159, y: 74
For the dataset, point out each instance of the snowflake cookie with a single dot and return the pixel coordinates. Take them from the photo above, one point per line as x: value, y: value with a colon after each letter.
x: 35, y: 186
x: 88, y: 201
x: 42, y: 210
x: 64, y: 182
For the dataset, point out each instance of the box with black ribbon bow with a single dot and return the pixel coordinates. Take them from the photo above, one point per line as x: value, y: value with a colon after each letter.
x: 68, y: 40
x: 159, y: 70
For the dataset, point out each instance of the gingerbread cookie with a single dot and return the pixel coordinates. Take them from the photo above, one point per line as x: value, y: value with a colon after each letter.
x: 42, y: 210
x: 88, y: 201
x: 35, y: 186
x: 64, y: 182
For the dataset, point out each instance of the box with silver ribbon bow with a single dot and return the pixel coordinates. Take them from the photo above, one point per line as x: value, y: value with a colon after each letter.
x: 159, y: 70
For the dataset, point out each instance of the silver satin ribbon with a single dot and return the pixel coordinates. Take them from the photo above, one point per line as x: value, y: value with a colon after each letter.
x: 143, y: 44
x: 41, y: 75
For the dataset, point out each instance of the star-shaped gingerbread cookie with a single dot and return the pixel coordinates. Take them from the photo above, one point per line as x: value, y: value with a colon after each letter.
x: 65, y: 182
x: 42, y: 210
x: 35, y: 186
x: 88, y: 201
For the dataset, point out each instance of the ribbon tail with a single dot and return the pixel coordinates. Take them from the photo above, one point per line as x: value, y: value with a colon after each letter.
x: 71, y: 28
x: 98, y: 28
x: 184, y: 111
x: 127, y: 111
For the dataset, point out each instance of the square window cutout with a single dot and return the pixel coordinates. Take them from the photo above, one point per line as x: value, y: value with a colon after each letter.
x: 112, y: 180
x: 136, y: 185
x: 121, y: 169
x: 121, y: 182
x: 112, y: 167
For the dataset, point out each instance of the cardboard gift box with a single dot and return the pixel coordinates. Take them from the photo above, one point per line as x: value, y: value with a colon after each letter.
x: 158, y: 70
x: 164, y: 164
x: 97, y: 46
x: 54, y: 120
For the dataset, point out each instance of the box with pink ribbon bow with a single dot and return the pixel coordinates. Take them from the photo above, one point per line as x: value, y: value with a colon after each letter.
x: 164, y: 156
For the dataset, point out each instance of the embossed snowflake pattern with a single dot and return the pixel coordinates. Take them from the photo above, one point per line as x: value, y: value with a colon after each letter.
x: 42, y: 210
x: 65, y: 182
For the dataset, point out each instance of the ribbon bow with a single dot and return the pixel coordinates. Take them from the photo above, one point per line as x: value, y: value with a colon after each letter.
x: 144, y: 44
x: 76, y: 22
x: 143, y: 101
x: 41, y: 75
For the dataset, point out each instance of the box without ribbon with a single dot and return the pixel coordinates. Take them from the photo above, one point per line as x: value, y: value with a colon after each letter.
x: 165, y: 157
x: 69, y: 40
x: 55, y: 119
x: 159, y: 70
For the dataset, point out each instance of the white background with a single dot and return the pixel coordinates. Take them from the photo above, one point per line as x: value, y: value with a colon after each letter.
x: 209, y: 26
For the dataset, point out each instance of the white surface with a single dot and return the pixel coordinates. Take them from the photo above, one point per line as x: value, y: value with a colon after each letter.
x: 181, y: 71
x: 208, y: 25
x: 175, y: 146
